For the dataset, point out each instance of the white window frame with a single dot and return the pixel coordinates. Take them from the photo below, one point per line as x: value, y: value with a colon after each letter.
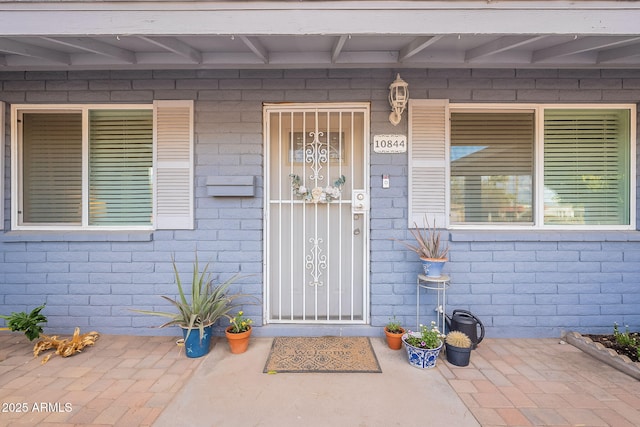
x: 16, y: 156
x: 538, y: 178
x: 3, y: 131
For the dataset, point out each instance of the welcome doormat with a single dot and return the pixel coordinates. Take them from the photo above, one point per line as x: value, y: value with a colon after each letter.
x: 322, y: 355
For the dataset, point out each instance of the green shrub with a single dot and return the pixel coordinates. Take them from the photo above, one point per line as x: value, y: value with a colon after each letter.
x: 29, y: 323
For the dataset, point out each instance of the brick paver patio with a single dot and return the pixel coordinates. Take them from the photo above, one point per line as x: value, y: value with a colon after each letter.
x: 122, y: 380
x: 130, y: 381
x: 541, y: 382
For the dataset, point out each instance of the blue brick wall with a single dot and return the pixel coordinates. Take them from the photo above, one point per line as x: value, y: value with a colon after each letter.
x: 518, y: 283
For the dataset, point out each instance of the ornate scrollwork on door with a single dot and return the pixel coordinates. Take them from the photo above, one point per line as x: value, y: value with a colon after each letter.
x: 315, y: 262
x: 316, y: 153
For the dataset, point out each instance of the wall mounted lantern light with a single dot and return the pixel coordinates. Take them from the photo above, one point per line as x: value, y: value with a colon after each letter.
x: 398, y: 98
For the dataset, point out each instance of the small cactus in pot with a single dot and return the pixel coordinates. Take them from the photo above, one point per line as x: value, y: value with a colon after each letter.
x: 458, y: 339
x: 458, y: 348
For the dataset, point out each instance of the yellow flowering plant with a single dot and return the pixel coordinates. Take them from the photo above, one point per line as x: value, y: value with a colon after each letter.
x: 239, y: 323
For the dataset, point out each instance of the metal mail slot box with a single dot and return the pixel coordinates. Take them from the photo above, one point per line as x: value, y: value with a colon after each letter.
x: 231, y: 186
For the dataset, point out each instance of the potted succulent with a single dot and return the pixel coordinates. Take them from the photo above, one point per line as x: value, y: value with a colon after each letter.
x: 457, y: 348
x: 196, y: 315
x: 394, y: 331
x: 238, y: 333
x: 430, y: 248
x: 423, y: 347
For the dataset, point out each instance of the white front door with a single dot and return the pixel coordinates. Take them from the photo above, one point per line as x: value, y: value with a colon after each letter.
x: 317, y: 213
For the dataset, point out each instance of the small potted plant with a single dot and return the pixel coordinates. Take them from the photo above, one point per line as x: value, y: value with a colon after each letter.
x: 394, y: 331
x: 423, y: 347
x: 196, y: 316
x: 430, y: 248
x: 238, y: 333
x: 457, y: 346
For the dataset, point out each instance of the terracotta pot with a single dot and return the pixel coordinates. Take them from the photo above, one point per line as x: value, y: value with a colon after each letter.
x: 394, y: 341
x: 238, y: 343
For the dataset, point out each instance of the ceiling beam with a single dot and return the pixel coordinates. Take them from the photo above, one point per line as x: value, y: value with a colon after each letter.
x: 578, y: 46
x: 97, y: 47
x: 251, y: 18
x: 369, y: 57
x: 323, y: 59
x: 256, y: 47
x: 337, y: 47
x: 23, y: 49
x: 176, y: 46
x: 417, y: 45
x: 499, y: 45
x: 618, y: 53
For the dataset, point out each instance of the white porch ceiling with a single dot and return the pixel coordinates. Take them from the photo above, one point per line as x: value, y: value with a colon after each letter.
x: 61, y: 35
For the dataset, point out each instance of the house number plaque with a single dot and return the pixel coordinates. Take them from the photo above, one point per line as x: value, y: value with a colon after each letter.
x: 390, y: 143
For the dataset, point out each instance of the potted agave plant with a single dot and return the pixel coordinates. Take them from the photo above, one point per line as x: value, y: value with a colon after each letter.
x: 197, y: 312
x: 430, y: 247
x: 423, y: 347
x: 394, y: 331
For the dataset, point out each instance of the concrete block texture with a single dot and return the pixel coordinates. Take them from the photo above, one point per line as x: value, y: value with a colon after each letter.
x: 523, y: 283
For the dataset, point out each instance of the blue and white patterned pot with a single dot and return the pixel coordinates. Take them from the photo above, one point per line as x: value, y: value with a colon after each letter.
x: 423, y: 358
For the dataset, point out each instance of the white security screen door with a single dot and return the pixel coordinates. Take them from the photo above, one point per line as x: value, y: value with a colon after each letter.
x: 317, y: 223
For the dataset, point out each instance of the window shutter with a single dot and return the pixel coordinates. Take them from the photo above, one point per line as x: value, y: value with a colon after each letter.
x: 173, y: 132
x: 428, y: 161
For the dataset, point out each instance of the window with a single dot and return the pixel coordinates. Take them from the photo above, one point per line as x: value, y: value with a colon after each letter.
x: 93, y: 167
x: 492, y: 167
x: 2, y: 131
x: 587, y: 166
x: 120, y: 167
x: 536, y: 166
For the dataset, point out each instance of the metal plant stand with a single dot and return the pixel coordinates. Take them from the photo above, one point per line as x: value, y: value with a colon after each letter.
x: 440, y: 285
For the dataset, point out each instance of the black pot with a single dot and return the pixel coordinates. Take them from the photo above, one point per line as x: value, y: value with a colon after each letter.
x: 458, y: 356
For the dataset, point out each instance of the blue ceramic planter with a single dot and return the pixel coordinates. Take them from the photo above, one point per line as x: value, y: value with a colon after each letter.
x: 193, y: 345
x: 432, y: 268
x: 423, y: 358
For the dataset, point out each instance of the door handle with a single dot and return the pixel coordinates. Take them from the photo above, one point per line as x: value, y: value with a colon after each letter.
x: 360, y: 202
